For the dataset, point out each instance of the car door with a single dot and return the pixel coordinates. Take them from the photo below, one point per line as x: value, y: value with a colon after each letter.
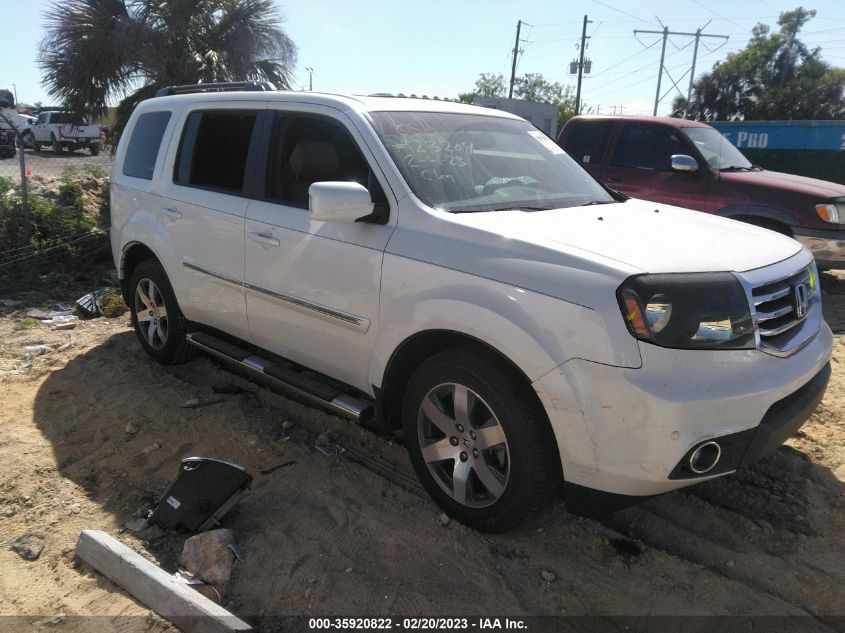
x: 39, y: 127
x: 640, y: 166
x: 204, y: 200
x: 312, y: 287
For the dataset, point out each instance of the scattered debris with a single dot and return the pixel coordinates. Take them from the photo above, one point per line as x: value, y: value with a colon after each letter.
x: 287, y: 425
x: 208, y: 556
x: 267, y: 471
x: 348, y: 570
x: 102, y: 302
x: 65, y: 346
x: 133, y: 427
x: 731, y: 563
x: 547, y: 575
x: 69, y: 325
x: 202, y: 401
x: 444, y: 519
x: 236, y: 551
x: 36, y: 350
x: 203, y: 492
x: 29, y: 546
x: 152, y: 447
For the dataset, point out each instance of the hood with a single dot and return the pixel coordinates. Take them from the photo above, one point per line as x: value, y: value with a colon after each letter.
x: 818, y: 189
x: 651, y: 237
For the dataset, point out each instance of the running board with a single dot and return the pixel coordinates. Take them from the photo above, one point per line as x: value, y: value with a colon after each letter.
x: 305, y: 385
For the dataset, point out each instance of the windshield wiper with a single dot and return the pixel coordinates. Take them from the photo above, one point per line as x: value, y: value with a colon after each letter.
x: 524, y: 207
x: 592, y: 202
x: 736, y: 168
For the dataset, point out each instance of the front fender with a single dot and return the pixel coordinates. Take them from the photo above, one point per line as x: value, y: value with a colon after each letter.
x: 536, y: 332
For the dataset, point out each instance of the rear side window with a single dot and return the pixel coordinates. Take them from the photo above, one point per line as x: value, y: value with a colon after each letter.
x: 588, y: 141
x: 143, y: 147
x: 214, y: 149
x: 645, y: 146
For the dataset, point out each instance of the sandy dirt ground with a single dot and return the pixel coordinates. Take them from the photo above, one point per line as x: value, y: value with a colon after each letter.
x: 90, y: 436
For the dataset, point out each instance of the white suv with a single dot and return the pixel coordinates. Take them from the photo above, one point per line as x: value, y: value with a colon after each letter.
x: 447, y: 270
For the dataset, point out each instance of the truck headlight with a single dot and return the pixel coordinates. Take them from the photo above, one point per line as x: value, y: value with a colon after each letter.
x: 688, y: 310
x: 830, y: 212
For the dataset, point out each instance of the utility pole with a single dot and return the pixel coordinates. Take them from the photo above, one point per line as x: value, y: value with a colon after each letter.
x: 660, y: 74
x: 692, y: 71
x: 581, y: 66
x: 310, y: 78
x: 665, y: 33
x: 515, y: 54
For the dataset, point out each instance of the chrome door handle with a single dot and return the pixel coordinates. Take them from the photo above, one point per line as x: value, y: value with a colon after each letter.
x: 173, y: 213
x: 263, y: 239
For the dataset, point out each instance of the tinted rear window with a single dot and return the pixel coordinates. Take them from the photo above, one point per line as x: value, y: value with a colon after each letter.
x: 144, y: 145
x: 214, y: 149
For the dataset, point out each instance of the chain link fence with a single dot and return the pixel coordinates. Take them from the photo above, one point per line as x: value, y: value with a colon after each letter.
x: 54, y: 207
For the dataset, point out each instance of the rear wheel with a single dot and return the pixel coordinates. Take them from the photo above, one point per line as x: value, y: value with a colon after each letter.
x: 156, y: 317
x: 94, y: 148
x: 478, y: 441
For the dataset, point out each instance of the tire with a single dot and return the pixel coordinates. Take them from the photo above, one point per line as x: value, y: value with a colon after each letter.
x: 162, y: 329
x: 36, y: 146
x: 57, y: 146
x: 94, y: 148
x: 503, y: 448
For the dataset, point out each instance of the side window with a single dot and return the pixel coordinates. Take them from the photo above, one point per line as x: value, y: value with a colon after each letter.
x: 214, y: 148
x: 305, y: 149
x: 41, y: 119
x: 144, y: 144
x: 588, y: 141
x: 646, y: 146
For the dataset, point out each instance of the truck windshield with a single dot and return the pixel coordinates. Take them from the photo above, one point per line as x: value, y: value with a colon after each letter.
x: 466, y: 163
x: 718, y: 151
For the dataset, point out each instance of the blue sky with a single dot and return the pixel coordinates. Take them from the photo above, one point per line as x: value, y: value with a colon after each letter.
x: 438, y: 47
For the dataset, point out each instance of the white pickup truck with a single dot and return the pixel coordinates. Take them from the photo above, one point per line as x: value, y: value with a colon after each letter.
x: 57, y: 129
x: 450, y: 270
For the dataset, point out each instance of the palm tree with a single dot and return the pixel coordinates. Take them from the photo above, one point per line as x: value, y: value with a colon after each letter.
x: 98, y: 51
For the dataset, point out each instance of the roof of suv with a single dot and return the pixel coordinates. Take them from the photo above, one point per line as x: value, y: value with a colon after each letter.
x: 665, y: 120
x: 352, y: 102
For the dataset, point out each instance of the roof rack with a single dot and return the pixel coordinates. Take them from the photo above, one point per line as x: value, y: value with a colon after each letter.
x: 248, y: 86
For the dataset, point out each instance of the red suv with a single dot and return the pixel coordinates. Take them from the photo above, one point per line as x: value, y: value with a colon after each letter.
x: 690, y: 164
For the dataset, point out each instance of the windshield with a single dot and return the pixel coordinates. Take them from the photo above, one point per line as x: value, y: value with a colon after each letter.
x: 466, y: 162
x: 718, y: 151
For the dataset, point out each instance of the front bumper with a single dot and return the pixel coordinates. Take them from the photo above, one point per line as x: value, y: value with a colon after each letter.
x: 827, y: 245
x: 625, y: 431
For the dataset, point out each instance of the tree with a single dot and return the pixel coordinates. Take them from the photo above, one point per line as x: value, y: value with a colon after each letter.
x: 774, y: 77
x: 529, y: 87
x: 97, y: 51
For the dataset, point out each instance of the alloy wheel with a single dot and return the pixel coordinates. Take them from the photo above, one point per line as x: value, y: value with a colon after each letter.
x: 151, y: 313
x: 463, y: 445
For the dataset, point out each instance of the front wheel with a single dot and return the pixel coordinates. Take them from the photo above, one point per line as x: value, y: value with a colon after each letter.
x: 159, y: 323
x: 479, y: 442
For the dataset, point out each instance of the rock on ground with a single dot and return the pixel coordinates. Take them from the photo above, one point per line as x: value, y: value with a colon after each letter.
x: 208, y: 556
x: 29, y: 546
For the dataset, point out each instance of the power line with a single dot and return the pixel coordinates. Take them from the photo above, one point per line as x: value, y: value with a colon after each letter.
x: 665, y: 36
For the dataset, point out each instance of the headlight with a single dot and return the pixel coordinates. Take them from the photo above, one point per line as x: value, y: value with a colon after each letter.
x: 829, y: 213
x: 688, y: 310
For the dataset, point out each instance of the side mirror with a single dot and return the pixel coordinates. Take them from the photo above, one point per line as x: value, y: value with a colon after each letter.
x: 339, y: 201
x: 682, y: 162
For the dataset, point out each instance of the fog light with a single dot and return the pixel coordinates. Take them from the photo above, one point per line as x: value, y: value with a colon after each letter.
x: 705, y: 458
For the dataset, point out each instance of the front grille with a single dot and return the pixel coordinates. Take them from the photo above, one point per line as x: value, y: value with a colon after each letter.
x: 781, y: 306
